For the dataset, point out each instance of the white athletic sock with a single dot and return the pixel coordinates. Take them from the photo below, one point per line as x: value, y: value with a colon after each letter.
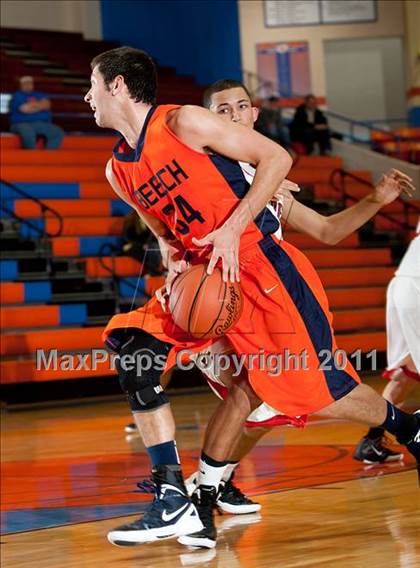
x: 210, y: 472
x: 229, y: 470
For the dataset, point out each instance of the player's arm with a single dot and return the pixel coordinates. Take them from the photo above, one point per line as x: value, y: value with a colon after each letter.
x: 200, y: 129
x: 335, y: 228
x: 168, y: 246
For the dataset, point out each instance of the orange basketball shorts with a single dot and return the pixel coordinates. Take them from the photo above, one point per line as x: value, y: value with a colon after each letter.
x: 284, y: 338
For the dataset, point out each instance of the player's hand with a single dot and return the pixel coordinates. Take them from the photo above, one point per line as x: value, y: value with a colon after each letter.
x: 392, y: 185
x: 285, y: 188
x: 162, y: 296
x: 175, y: 268
x: 225, y: 243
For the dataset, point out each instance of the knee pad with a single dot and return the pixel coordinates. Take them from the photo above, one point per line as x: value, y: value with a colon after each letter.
x: 141, y: 361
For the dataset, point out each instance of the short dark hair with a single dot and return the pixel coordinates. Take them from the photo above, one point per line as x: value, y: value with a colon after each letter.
x: 222, y: 85
x: 137, y: 68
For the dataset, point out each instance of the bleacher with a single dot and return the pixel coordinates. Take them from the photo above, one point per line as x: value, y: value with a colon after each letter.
x: 60, y: 65
x: 64, y: 303
x: 59, y: 291
x: 402, y: 143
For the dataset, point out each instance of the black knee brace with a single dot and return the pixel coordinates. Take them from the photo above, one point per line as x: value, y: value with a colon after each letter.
x: 140, y: 364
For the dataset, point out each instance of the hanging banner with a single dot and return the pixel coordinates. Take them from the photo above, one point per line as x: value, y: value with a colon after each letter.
x: 286, y: 13
x: 292, y: 13
x: 284, y: 68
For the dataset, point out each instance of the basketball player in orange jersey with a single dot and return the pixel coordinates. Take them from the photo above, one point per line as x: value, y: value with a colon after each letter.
x: 128, y: 106
x: 201, y: 200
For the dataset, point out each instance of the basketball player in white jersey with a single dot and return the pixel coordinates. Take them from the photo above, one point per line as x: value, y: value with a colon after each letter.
x: 403, y: 348
x: 231, y: 100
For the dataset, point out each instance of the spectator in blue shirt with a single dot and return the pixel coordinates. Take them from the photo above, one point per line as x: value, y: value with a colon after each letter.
x: 30, y: 116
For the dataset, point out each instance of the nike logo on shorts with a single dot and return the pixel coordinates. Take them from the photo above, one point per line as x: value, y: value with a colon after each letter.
x: 268, y: 290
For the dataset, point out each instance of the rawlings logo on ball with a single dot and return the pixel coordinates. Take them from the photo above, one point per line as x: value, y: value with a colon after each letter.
x: 234, y: 309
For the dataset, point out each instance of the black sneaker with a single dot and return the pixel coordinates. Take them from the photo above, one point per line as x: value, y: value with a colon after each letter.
x: 170, y: 515
x: 131, y: 428
x: 374, y: 451
x: 204, y: 499
x: 230, y: 499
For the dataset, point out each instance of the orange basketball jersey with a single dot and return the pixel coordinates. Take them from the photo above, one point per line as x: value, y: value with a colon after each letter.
x: 192, y: 193
x: 285, y: 307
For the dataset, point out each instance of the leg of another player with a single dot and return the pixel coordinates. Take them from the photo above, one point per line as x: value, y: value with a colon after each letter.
x: 234, y: 500
x: 363, y: 404
x: 222, y: 436
x: 220, y: 440
x: 397, y: 390
x: 230, y: 498
x: 247, y: 441
x: 372, y: 448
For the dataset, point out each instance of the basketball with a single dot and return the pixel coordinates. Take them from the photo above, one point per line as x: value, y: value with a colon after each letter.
x: 203, y: 304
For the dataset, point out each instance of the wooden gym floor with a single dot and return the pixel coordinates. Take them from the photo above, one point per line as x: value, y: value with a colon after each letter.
x: 69, y: 475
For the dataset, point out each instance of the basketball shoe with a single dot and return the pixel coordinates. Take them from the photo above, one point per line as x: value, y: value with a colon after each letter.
x: 230, y: 499
x: 375, y: 451
x: 170, y: 514
x: 204, y: 498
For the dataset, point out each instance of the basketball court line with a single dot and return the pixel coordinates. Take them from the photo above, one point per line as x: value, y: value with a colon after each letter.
x: 332, y: 464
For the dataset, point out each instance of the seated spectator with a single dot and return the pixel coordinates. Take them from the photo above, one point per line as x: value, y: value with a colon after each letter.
x: 30, y: 116
x: 270, y: 122
x: 310, y: 126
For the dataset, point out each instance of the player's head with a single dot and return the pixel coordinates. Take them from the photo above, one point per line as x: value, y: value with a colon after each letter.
x: 231, y: 100
x: 120, y: 75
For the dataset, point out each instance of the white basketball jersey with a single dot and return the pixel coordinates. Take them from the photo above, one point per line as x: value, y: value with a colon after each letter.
x: 249, y: 173
x: 410, y: 263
